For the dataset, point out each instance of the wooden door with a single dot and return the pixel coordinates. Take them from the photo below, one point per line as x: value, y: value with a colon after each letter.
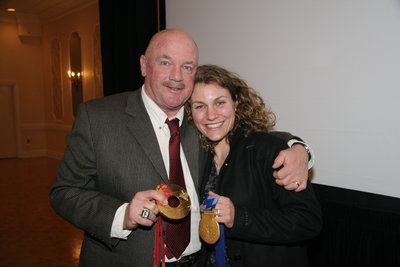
x: 8, y: 140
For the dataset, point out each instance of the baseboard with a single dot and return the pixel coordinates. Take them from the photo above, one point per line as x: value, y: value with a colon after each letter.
x: 54, y: 154
x: 34, y: 153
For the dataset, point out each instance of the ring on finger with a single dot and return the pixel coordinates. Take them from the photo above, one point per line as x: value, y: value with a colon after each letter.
x: 296, y: 182
x: 217, y: 213
x: 145, y: 213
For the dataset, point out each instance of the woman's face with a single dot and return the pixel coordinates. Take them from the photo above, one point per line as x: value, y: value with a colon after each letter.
x: 213, y: 110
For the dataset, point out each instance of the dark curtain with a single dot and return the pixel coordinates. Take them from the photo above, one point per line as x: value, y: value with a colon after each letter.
x: 360, y: 229
x: 126, y: 27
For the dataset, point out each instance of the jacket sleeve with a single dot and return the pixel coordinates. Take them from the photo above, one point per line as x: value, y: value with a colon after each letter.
x: 280, y: 216
x: 73, y: 194
x: 296, y: 218
x: 285, y: 136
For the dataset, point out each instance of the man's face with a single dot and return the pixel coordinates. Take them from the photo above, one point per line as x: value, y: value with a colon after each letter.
x: 169, y: 67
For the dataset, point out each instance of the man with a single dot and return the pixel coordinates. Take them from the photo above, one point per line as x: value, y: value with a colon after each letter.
x: 117, y: 154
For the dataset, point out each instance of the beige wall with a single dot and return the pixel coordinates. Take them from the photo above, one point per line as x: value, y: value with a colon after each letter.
x: 83, y: 22
x: 26, y: 61
x: 21, y: 65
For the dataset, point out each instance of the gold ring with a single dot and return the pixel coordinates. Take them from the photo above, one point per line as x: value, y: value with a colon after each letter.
x: 296, y: 182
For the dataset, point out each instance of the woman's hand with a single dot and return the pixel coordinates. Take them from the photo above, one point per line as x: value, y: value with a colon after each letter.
x: 226, y: 209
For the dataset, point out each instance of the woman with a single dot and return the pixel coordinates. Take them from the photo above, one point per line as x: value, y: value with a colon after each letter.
x: 265, y: 225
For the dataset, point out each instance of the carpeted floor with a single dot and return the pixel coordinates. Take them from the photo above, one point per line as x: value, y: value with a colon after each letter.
x: 31, y: 233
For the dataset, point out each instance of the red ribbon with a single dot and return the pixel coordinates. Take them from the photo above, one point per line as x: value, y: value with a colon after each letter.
x: 158, y: 232
x: 165, y: 189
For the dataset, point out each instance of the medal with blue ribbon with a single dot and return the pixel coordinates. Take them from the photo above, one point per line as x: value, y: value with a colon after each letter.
x: 211, y: 231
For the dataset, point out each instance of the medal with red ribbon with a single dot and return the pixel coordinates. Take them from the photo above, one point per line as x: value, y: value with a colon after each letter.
x: 172, y: 213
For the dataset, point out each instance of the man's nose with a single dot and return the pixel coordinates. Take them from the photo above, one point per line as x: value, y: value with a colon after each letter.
x: 176, y: 74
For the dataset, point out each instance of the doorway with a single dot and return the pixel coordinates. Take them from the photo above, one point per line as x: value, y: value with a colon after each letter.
x: 8, y: 121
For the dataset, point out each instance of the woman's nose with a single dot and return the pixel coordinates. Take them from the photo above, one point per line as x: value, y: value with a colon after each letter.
x: 211, y: 113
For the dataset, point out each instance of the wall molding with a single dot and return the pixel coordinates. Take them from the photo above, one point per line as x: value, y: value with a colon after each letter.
x: 46, y: 127
x: 33, y: 153
x: 33, y: 126
x: 43, y: 127
x: 55, y: 154
x: 59, y: 127
x: 42, y: 153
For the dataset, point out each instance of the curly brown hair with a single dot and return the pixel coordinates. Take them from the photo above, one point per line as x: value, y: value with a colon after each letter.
x: 251, y: 113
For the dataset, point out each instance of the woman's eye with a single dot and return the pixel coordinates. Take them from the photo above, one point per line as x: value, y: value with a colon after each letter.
x: 198, y: 107
x: 220, y: 103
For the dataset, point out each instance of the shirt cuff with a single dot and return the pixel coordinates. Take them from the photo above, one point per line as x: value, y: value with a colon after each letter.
x: 310, y: 152
x: 117, y: 228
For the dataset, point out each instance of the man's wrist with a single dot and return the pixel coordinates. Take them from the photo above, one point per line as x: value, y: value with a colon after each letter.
x: 117, y: 229
x: 310, y: 152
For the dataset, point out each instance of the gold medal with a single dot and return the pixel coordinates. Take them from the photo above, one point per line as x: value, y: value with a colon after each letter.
x: 174, y: 213
x: 209, y: 227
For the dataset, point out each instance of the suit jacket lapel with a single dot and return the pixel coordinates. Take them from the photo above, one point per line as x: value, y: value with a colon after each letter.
x: 142, y: 129
x: 189, y: 141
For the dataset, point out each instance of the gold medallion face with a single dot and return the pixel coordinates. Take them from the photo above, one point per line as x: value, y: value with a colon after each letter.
x: 209, y: 227
x: 174, y: 213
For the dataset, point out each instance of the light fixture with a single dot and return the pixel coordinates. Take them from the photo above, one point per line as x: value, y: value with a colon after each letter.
x: 74, y: 75
x: 11, y: 9
x: 75, y: 78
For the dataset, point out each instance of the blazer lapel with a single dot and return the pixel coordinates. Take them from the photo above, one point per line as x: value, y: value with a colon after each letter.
x: 190, y: 141
x: 142, y: 129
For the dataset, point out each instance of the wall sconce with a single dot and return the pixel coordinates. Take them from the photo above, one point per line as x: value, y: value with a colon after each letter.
x: 74, y: 76
x: 75, y: 71
x: 76, y: 89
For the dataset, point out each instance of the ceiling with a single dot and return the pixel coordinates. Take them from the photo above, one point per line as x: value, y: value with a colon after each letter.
x: 44, y: 10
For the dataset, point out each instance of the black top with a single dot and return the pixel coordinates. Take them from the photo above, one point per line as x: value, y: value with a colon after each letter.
x: 271, y: 224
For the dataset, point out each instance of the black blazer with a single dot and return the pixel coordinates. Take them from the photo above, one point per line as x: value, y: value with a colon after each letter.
x: 271, y: 223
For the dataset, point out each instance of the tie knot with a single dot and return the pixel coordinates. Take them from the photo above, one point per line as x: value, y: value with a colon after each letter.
x: 173, y: 126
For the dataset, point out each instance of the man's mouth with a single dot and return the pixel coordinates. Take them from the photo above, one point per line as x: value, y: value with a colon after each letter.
x: 174, y: 85
x: 174, y: 88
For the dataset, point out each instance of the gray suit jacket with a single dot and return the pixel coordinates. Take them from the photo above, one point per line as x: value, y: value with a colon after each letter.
x: 112, y: 153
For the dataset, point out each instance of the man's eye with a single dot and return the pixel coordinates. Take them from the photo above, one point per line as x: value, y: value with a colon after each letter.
x: 164, y: 63
x: 189, y: 68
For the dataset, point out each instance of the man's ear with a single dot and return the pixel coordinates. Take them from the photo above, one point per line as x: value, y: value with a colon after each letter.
x: 143, y: 69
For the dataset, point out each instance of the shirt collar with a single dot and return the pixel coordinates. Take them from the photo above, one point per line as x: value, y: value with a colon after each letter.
x: 157, y: 115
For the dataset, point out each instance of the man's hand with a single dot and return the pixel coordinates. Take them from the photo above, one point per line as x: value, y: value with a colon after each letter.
x: 143, y: 200
x: 294, y: 173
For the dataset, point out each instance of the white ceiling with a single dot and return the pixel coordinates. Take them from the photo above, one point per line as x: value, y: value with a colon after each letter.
x: 43, y: 10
